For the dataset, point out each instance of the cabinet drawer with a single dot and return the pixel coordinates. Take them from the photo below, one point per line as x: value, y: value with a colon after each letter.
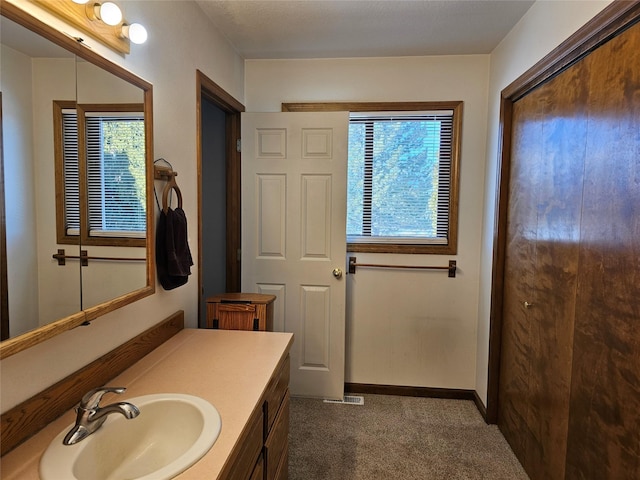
x: 275, y: 448
x: 275, y: 393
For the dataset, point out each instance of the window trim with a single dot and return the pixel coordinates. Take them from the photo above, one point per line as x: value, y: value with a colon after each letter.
x: 61, y: 234
x: 451, y: 247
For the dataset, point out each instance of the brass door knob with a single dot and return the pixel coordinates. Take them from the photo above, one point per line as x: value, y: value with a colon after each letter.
x: 337, y: 272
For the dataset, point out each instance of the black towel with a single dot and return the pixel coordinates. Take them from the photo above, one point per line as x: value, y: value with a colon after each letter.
x: 173, y: 257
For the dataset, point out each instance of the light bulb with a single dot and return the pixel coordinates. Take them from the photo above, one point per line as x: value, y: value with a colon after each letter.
x: 109, y: 13
x: 135, y: 32
x: 80, y: 2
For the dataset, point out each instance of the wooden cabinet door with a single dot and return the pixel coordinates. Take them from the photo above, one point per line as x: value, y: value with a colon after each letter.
x: 275, y: 393
x: 247, y: 455
x: 276, y: 445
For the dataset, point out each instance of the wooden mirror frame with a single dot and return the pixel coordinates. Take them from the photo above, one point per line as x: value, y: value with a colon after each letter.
x: 17, y: 344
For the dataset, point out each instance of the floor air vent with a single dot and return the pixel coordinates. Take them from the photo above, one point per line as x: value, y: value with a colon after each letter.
x: 349, y: 400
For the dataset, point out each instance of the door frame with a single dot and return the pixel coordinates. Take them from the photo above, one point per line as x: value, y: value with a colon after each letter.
x: 611, y: 21
x: 208, y: 90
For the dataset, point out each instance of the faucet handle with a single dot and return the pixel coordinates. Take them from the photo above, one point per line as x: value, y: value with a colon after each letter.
x: 92, y: 398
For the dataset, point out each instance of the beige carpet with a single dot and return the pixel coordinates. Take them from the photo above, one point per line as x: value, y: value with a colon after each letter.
x: 399, y: 438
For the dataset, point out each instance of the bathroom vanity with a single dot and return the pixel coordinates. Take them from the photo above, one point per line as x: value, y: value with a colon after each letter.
x: 244, y: 374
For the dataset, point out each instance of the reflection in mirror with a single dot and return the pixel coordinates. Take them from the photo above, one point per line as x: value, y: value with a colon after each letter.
x: 112, y: 109
x: 34, y: 71
x: 110, y: 115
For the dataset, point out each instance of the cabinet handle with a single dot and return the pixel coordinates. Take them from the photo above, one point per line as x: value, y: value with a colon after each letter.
x: 528, y: 305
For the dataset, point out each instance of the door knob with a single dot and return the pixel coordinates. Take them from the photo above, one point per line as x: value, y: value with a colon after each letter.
x: 528, y: 305
x: 337, y: 272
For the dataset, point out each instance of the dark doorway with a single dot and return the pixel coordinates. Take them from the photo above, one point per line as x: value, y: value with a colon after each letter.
x: 214, y: 206
x: 218, y: 116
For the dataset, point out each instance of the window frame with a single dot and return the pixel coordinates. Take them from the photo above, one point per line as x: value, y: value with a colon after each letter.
x: 84, y: 237
x: 451, y: 246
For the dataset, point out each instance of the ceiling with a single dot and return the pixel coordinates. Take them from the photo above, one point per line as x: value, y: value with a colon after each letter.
x: 363, y: 28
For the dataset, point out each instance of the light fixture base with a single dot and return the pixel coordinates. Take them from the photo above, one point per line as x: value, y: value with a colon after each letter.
x: 77, y: 16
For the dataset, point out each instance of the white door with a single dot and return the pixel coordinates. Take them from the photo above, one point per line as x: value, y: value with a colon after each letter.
x: 294, y: 188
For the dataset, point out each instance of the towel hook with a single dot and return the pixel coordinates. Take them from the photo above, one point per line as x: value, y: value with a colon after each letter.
x: 171, y: 185
x: 167, y: 173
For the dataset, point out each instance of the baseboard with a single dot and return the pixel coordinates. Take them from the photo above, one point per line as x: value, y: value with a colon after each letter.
x: 427, y: 392
x: 26, y: 419
x: 480, y: 406
x: 451, y: 393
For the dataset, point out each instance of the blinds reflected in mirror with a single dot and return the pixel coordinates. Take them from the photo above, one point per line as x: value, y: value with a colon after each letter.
x: 71, y: 172
x: 114, y: 172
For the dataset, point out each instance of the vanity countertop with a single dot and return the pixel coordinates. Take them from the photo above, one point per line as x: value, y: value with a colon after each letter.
x: 229, y: 368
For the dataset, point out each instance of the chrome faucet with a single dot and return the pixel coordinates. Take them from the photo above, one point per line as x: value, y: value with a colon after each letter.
x: 91, y: 416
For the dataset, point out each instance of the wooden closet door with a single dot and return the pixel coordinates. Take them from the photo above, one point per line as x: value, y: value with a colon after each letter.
x: 515, y: 368
x: 545, y: 203
x: 604, y: 425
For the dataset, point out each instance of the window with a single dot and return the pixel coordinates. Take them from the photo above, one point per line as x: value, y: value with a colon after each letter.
x: 111, y: 176
x: 402, y: 185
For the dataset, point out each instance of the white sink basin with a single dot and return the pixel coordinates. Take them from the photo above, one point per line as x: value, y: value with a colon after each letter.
x: 172, y: 432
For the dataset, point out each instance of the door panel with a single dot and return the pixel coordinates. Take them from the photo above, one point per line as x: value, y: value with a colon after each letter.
x: 294, y: 235
x: 559, y: 207
x: 604, y: 423
x: 515, y: 368
x: 542, y: 262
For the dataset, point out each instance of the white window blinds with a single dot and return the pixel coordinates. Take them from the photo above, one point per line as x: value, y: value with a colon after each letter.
x: 115, y: 174
x: 399, y: 177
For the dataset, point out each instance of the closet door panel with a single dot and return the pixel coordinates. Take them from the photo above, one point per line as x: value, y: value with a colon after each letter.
x: 559, y: 188
x: 604, y: 425
x: 515, y: 368
x: 541, y: 264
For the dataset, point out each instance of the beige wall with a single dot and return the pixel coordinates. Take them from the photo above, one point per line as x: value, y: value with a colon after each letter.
x: 404, y: 327
x: 546, y: 25
x: 180, y: 41
x: 20, y: 203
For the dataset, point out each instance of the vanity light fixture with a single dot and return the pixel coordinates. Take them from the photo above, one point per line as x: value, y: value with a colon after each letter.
x: 134, y: 32
x: 102, y: 20
x: 108, y: 12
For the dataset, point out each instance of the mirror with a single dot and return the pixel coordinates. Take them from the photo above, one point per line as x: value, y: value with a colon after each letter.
x: 27, y: 128
x: 48, y: 207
